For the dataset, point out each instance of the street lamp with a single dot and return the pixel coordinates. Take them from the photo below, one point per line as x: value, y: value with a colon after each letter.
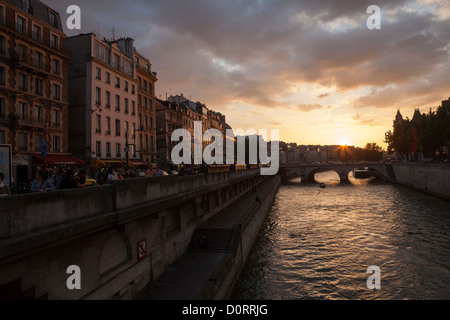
x: 98, y: 108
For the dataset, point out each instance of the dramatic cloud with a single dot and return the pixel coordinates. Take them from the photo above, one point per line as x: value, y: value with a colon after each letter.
x: 259, y: 53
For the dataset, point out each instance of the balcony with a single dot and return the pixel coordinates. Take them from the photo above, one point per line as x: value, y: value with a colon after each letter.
x: 23, y: 31
x: 23, y: 61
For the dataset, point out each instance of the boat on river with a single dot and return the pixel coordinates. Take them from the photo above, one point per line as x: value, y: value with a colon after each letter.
x: 362, y: 173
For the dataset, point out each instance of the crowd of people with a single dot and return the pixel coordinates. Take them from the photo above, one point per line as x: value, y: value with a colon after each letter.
x: 62, y: 178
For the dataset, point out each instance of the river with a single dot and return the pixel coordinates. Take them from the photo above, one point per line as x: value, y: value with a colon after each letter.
x: 317, y: 243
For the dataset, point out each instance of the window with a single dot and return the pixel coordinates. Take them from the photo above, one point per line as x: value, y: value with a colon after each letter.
x: 38, y: 87
x: 98, y: 73
x: 37, y: 33
x: 54, y: 41
x: 133, y: 89
x: 23, y: 141
x: 126, y: 86
x: 56, y: 118
x: 117, y: 128
x: 21, y: 25
x: 108, y: 100
x: 139, y: 100
x: 2, y: 76
x: 133, y: 108
x: 37, y: 142
x: 38, y: 116
x: 2, y: 137
x: 2, y: 45
x: 118, y: 151
x: 108, y: 125
x: 117, y: 102
x: 98, y: 149
x: 22, y: 111
x: 98, y: 96
x: 98, y: 121
x: 2, y: 108
x: 117, y: 82
x: 38, y: 59
x: 108, y: 77
x: 56, y: 143
x: 27, y: 6
x: 56, y: 67
x: 152, y: 144
x: 116, y: 61
x: 23, y: 52
x: 56, y: 92
x: 108, y: 149
x: 23, y: 85
x: 52, y: 19
x: 126, y: 105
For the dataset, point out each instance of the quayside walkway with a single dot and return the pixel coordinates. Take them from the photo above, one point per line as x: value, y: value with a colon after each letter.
x: 204, y: 272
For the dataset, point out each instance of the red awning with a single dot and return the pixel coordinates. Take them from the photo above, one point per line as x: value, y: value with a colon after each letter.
x: 56, y: 160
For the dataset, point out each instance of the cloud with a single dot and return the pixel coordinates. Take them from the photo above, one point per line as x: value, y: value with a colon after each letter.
x: 309, y: 107
x: 234, y: 52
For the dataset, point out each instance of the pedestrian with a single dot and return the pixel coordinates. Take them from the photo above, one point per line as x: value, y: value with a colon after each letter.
x: 58, y: 177
x: 41, y: 184
x: 69, y: 180
x: 81, y: 178
x: 150, y: 172
x: 111, y: 173
x: 4, y: 190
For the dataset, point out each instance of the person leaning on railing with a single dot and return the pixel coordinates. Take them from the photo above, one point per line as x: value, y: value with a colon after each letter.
x: 41, y: 184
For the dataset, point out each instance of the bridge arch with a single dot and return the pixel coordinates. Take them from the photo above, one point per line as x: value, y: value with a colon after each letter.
x: 310, y: 175
x: 115, y: 252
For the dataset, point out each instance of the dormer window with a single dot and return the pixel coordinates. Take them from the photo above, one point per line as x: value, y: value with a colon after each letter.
x: 52, y: 19
x: 27, y: 6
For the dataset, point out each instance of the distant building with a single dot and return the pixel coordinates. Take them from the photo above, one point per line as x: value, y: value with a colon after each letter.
x: 146, y: 147
x: 33, y: 85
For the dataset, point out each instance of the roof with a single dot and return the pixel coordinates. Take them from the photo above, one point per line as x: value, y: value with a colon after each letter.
x: 40, y: 11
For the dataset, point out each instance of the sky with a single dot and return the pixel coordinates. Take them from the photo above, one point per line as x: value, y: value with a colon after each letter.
x: 310, y: 68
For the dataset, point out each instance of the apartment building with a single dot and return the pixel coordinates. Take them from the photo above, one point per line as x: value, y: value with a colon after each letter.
x: 103, y: 99
x: 33, y: 86
x: 145, y: 134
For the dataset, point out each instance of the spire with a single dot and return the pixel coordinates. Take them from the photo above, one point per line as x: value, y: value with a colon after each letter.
x: 398, y: 117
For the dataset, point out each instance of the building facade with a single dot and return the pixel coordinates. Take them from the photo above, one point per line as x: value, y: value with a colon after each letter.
x: 145, y: 135
x: 104, y: 100
x: 33, y: 85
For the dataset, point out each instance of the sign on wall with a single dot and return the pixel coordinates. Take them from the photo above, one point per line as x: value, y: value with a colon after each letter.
x: 142, y: 249
x: 6, y: 163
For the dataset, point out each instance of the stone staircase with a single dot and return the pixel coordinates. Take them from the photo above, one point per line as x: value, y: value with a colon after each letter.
x: 210, y: 240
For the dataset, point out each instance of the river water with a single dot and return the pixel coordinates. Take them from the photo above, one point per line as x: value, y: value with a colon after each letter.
x: 317, y: 243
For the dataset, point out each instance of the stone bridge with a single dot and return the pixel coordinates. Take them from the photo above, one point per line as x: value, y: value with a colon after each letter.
x: 307, y: 171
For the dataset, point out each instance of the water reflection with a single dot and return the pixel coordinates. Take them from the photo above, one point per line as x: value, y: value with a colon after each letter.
x: 317, y: 244
x: 329, y: 178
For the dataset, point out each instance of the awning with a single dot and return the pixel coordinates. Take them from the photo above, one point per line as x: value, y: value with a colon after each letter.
x: 134, y: 162
x: 112, y: 161
x: 20, y: 160
x: 97, y: 163
x: 56, y: 160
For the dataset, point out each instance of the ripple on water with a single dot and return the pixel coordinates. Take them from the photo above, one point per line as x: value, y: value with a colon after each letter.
x: 317, y: 244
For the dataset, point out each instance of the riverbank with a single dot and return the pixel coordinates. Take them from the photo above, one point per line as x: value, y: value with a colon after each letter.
x: 433, y: 179
x: 211, y: 266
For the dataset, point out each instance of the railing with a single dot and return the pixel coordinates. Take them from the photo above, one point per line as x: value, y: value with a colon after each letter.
x: 31, y: 62
x: 31, y: 34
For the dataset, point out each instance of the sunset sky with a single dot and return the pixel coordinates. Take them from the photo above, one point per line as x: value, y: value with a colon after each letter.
x: 310, y: 68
